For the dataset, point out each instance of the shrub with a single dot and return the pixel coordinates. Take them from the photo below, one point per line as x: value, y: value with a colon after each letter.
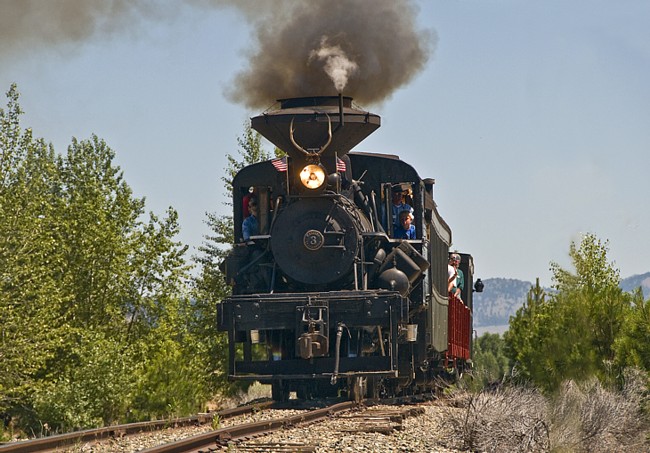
x: 584, y: 417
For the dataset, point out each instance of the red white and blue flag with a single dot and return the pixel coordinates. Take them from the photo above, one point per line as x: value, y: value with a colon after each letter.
x: 340, y: 165
x: 280, y: 163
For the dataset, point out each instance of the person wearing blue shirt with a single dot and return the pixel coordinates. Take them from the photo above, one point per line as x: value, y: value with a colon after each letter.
x: 398, y: 206
x: 250, y: 226
x: 391, y: 221
x: 404, y: 230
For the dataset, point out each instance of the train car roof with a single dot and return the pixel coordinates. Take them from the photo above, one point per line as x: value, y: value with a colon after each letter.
x: 367, y: 153
x: 385, y: 168
x: 388, y: 166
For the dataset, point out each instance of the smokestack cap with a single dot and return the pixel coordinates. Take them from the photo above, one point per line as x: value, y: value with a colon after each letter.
x: 310, y: 123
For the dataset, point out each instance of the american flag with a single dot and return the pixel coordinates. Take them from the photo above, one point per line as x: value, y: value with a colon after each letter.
x: 280, y: 163
x: 340, y: 165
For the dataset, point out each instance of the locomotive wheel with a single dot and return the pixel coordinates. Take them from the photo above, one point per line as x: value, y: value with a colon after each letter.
x: 279, y: 392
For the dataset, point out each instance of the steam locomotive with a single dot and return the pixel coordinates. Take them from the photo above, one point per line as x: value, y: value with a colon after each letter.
x: 325, y: 300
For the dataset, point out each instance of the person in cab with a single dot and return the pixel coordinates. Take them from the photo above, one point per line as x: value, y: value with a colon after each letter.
x: 404, y: 230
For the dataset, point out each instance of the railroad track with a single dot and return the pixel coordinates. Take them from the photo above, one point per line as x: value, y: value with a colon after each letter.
x: 246, y: 437
x: 52, y: 443
x: 221, y: 437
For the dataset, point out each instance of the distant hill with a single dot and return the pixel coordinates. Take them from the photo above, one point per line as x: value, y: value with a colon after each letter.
x: 499, y: 300
x: 632, y: 283
x: 503, y: 296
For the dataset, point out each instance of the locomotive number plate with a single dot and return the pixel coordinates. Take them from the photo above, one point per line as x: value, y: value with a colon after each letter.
x: 313, y: 240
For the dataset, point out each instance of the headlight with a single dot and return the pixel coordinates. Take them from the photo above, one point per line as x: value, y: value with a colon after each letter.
x: 312, y: 176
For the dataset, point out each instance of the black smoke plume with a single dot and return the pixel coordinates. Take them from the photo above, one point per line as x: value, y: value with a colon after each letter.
x: 374, y: 47
x: 26, y: 25
x: 364, y: 48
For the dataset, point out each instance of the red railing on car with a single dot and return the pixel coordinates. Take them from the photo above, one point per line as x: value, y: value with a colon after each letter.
x: 458, y: 329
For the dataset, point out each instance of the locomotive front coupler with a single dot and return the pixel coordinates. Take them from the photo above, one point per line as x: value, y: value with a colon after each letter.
x: 312, y: 327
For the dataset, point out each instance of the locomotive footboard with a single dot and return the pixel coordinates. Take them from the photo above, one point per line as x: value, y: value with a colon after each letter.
x: 313, y: 335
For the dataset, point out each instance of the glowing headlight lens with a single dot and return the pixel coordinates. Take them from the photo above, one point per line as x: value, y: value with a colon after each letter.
x: 312, y: 176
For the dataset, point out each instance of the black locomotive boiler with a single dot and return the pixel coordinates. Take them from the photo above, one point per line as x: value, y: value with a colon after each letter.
x: 324, y: 299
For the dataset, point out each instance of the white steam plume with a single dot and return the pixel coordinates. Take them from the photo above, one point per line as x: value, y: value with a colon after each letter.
x: 337, y: 64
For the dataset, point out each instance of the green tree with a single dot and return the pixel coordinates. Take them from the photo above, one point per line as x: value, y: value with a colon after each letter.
x: 526, y: 332
x: 99, y: 230
x: 632, y: 348
x: 30, y: 258
x: 572, y: 334
x: 92, y: 298
x: 250, y: 152
x: 598, y: 307
x: 125, y: 279
x: 521, y: 338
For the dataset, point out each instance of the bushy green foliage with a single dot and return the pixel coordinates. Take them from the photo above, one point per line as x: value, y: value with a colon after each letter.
x: 170, y: 385
x: 632, y: 348
x: 91, y: 387
x: 98, y: 323
x: 30, y: 260
x: 574, y: 332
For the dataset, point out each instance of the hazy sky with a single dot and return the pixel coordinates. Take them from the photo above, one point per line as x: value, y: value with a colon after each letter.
x: 533, y: 117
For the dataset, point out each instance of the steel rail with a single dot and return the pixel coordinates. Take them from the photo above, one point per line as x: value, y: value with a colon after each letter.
x: 223, y: 435
x: 53, y: 442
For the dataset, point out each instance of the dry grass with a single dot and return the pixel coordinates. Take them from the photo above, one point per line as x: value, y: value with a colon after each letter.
x: 505, y: 419
x: 581, y: 418
x: 591, y: 418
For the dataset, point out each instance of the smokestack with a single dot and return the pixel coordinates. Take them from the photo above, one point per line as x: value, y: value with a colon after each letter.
x: 341, y: 115
x: 312, y: 117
